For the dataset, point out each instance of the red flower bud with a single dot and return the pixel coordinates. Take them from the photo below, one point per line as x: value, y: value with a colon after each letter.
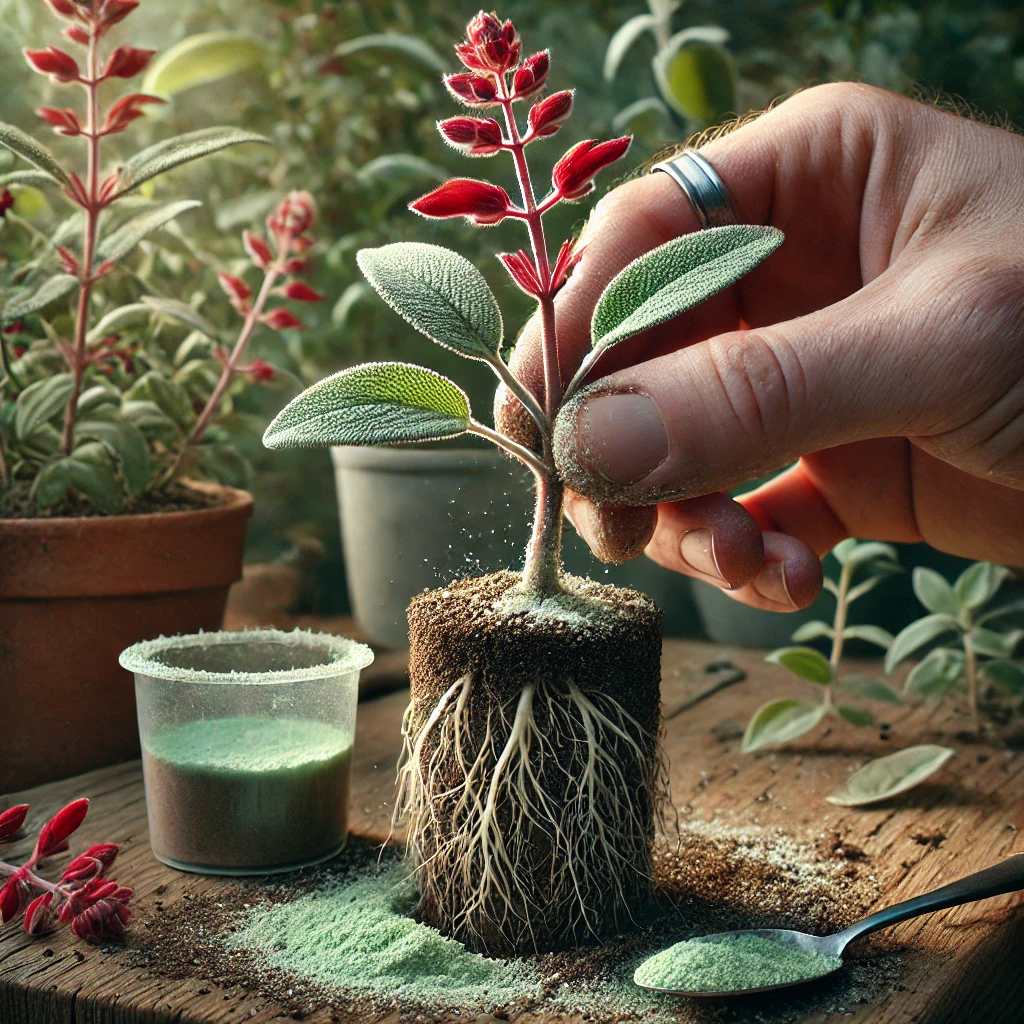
x: 547, y: 116
x: 82, y: 868
x: 39, y: 916
x: 479, y: 202
x: 113, y: 11
x: 568, y: 257
x: 295, y: 214
x: 65, y: 121
x: 280, y: 319
x: 296, y: 266
x: 6, y: 202
x: 484, y: 28
x: 62, y: 8
x: 54, y: 834
x: 105, y: 853
x: 126, y: 110
x: 258, y: 250
x: 127, y: 62
x: 522, y: 271
x: 60, y: 66
x: 301, y: 292
x: 12, y: 895
x: 573, y: 175
x: 260, y: 371
x: 491, y: 45
x: 236, y: 289
x: 473, y: 90
x: 531, y: 75
x: 68, y: 260
x: 104, y: 920
x: 474, y: 136
x: 13, y: 818
x: 76, y: 34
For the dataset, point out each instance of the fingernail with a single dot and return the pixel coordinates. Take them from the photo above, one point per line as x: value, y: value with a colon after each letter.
x: 698, y: 550
x: 771, y: 583
x: 622, y: 437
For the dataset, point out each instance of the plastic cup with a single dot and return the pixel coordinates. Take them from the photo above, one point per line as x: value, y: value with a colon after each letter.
x: 247, y: 746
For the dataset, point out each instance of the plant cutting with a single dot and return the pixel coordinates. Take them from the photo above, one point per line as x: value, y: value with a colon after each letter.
x: 532, y: 776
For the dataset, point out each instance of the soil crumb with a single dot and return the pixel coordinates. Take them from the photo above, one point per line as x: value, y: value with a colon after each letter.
x: 339, y: 939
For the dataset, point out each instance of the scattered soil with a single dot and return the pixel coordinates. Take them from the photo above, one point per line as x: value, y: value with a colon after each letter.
x: 16, y: 504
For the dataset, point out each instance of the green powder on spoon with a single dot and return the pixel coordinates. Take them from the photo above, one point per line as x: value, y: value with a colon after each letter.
x: 733, y: 964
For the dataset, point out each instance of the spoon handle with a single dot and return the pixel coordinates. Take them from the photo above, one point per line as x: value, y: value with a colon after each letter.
x: 1006, y: 876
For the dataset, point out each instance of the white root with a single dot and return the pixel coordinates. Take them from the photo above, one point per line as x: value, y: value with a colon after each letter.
x: 530, y: 829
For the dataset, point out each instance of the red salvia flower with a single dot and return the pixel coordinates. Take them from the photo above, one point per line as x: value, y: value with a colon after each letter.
x: 39, y: 916
x: 296, y: 265
x: 258, y: 250
x: 126, y: 110
x: 491, y: 45
x: 474, y: 136
x: 95, y: 862
x: 6, y: 202
x: 573, y: 175
x: 13, y: 818
x: 280, y: 319
x: 547, y: 116
x: 76, y: 34
x: 127, y: 62
x: 54, y: 834
x: 105, y: 853
x: 63, y: 8
x: 568, y: 257
x: 105, y: 919
x: 60, y: 66
x: 473, y: 90
x: 235, y: 287
x: 301, y: 292
x: 12, y: 896
x: 113, y: 11
x: 522, y: 271
x: 295, y: 215
x: 479, y: 202
x: 65, y: 122
x: 531, y: 75
x: 260, y: 371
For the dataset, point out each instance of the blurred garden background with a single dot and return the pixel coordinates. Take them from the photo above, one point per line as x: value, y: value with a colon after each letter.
x: 349, y: 94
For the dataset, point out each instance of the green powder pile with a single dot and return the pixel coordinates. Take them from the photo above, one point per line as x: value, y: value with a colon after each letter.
x: 735, y: 963
x: 356, y: 935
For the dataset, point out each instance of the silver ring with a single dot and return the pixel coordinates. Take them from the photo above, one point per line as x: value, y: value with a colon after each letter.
x: 703, y: 187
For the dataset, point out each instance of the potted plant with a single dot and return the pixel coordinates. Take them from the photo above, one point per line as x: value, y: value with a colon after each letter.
x: 105, y: 537
x: 532, y: 778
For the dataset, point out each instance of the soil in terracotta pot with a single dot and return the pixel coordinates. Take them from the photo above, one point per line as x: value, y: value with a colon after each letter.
x: 17, y: 503
x: 238, y: 793
x: 533, y: 775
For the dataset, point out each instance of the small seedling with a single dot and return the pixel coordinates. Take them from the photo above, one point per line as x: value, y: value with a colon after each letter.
x: 973, y: 650
x: 780, y: 721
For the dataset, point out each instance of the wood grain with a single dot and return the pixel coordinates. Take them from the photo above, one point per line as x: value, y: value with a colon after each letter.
x: 970, y: 967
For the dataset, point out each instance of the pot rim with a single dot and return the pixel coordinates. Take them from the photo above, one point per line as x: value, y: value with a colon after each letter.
x: 411, y: 460
x: 344, y: 656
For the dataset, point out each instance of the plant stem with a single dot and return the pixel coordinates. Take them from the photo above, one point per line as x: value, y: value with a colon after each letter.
x: 544, y: 554
x: 971, y: 672
x: 85, y: 268
x: 524, y: 455
x: 838, y: 626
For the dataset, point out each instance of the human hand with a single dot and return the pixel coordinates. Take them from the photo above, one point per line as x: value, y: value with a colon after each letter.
x: 882, y: 346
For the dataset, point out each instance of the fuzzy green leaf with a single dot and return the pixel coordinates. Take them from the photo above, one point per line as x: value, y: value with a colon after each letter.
x: 870, y: 634
x: 870, y: 688
x: 173, y: 152
x: 121, y: 242
x: 51, y: 484
x: 201, y: 59
x: 154, y: 423
x: 97, y: 397
x: 855, y: 716
x: 170, y: 398
x: 35, y: 153
x: 126, y: 442
x: 780, y: 721
x: 26, y: 301
x: 978, y: 584
x: 916, y: 635
x: 934, y: 591
x: 92, y: 472
x: 410, y: 47
x: 697, y: 78
x: 1004, y: 674
x: 992, y: 644
x: 372, y: 404
x: 677, y: 276
x: 626, y: 35
x: 439, y: 292
x: 866, y: 586
x: 813, y: 631
x: 40, y: 402
x: 182, y: 311
x: 805, y: 662
x: 936, y: 674
x: 888, y: 776
x: 852, y: 552
x: 34, y: 179
x: 224, y: 464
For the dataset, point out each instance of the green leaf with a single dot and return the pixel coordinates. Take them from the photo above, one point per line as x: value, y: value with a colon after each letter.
x: 182, y: 311
x: 405, y: 166
x: 888, y: 776
x: 1004, y: 674
x: 40, y: 402
x: 372, y: 404
x: 626, y: 35
x: 870, y: 688
x: 51, y: 484
x: 859, y: 554
x: 870, y: 634
x: 934, y: 592
x: 35, y: 153
x: 1010, y: 608
x: 813, y: 631
x: 698, y: 79
x: 224, y: 464
x: 170, y: 398
x: 805, y: 662
x: 126, y: 442
x: 439, y: 292
x: 34, y: 179
x: 410, y: 47
x: 935, y: 675
x: 116, y: 320
x: 780, y: 721
x: 121, y: 242
x: 26, y: 301
x: 992, y: 644
x: 644, y: 117
x: 856, y: 716
x: 844, y: 549
x: 978, y: 584
x: 916, y: 635
x: 866, y: 586
x: 91, y: 471
x: 97, y: 397
x: 201, y: 59
x: 677, y: 276
x: 355, y: 293
x: 154, y: 423
x: 173, y: 152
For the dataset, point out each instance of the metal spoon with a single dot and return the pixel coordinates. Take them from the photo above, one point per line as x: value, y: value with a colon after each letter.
x: 1006, y: 876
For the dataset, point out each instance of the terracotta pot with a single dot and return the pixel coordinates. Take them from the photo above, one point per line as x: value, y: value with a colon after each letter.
x: 74, y: 593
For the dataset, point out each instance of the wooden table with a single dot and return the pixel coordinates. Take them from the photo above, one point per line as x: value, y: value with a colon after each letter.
x: 966, y: 818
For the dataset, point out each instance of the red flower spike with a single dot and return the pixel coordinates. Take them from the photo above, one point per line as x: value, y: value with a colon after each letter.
x: 62, y: 8
x: 522, y: 271
x: 479, y: 202
x: 236, y: 289
x: 474, y: 136
x: 573, y: 175
x: 547, y: 116
x: 531, y: 75
x: 126, y: 110
x: 13, y: 818
x: 301, y: 292
x: 113, y: 11
x: 54, y: 834
x: 473, y: 90
x: 60, y: 66
x: 12, y: 895
x: 76, y: 34
x: 491, y: 45
x: 39, y: 916
x: 280, y: 319
x: 65, y: 121
x: 260, y: 371
x: 295, y: 214
x: 127, y: 62
x: 258, y: 250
